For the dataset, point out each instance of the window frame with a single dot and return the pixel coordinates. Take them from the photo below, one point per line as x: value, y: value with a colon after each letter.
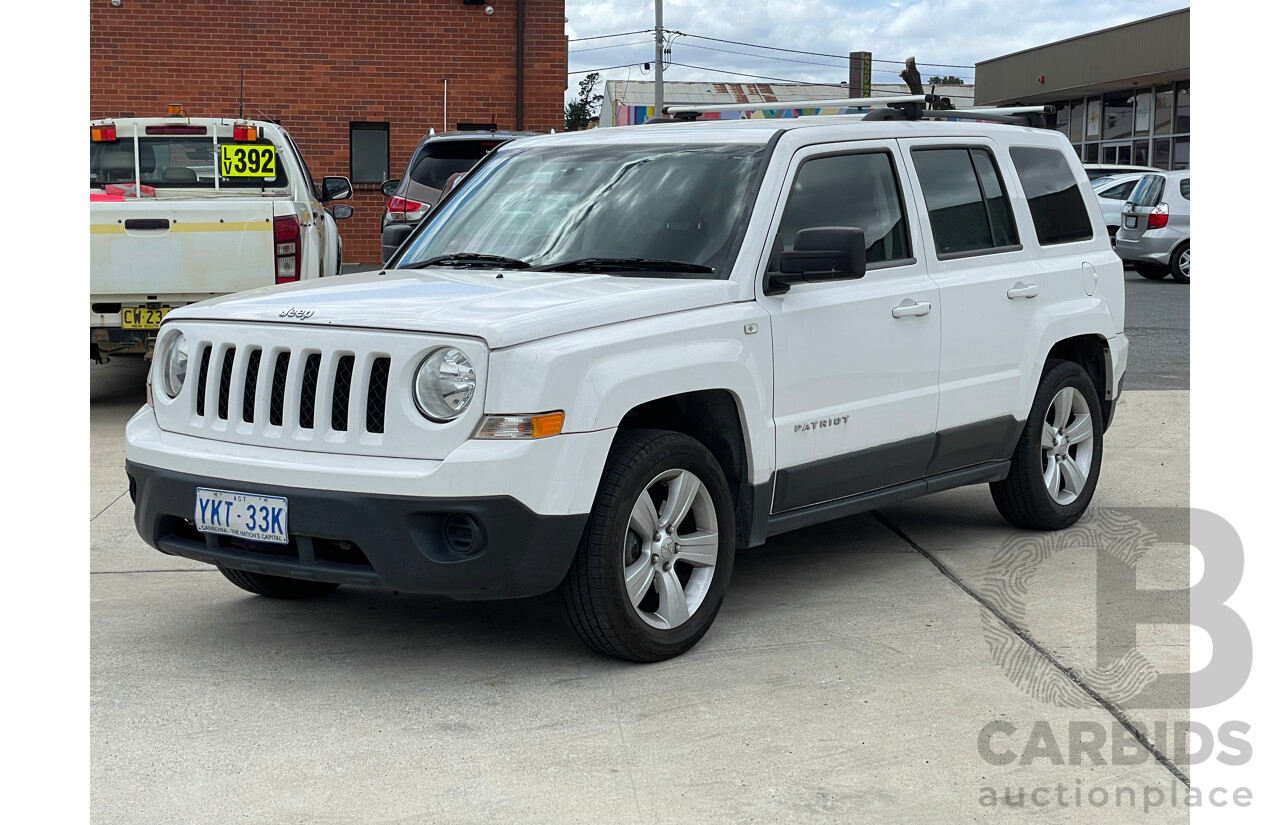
x: 911, y: 260
x: 1017, y: 246
x: 354, y: 126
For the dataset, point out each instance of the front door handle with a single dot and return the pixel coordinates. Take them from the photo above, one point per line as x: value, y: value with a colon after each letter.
x: 909, y: 307
x: 1021, y: 290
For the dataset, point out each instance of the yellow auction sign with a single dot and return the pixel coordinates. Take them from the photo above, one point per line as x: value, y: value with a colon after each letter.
x: 240, y: 161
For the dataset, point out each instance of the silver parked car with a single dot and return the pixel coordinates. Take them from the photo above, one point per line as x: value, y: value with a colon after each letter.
x: 1112, y: 192
x: 1155, y: 226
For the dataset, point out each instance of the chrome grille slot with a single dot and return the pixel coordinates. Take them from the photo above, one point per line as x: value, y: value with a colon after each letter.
x: 224, y: 384
x: 278, y: 377
x: 251, y: 385
x: 202, y: 380
x: 310, y: 383
x: 342, y: 392
x: 376, y: 407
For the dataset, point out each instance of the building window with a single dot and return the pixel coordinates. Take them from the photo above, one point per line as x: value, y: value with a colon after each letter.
x: 1077, y: 121
x: 1163, y: 151
x: 370, y: 152
x: 1164, y: 110
x: 1117, y: 116
x: 1182, y: 153
x: 1141, y: 153
x: 1182, y: 114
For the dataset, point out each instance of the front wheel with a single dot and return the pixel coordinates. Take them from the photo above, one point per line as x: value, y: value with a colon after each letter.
x: 654, y: 562
x: 1055, y: 466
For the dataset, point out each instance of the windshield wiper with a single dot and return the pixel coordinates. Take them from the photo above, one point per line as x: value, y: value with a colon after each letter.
x: 469, y: 259
x: 624, y: 266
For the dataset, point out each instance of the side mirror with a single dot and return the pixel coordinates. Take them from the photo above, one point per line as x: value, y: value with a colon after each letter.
x: 822, y: 253
x: 389, y: 187
x: 394, y: 235
x: 335, y: 189
x: 342, y: 212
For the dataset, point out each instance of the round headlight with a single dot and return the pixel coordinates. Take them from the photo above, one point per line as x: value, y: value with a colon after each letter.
x: 173, y: 369
x: 444, y: 385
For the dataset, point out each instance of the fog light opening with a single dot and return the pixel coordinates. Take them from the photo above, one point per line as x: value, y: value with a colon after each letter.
x: 463, y: 534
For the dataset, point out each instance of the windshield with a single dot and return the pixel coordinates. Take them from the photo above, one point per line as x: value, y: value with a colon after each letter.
x: 555, y: 204
x: 186, y: 162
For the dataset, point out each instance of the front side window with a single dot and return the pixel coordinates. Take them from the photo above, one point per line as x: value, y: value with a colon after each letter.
x: 857, y: 190
x: 569, y: 206
x: 968, y: 207
x: 1057, y: 206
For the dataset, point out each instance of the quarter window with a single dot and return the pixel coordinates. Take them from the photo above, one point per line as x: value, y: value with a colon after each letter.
x: 1057, y: 207
x: 857, y: 190
x: 968, y: 206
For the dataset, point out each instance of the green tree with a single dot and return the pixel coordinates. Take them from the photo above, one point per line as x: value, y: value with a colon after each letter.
x: 949, y: 80
x: 584, y: 112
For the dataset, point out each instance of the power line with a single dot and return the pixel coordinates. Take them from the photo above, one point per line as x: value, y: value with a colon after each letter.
x: 818, y: 54
x: 603, y: 36
x: 605, y: 68
x: 785, y: 59
x: 614, y: 46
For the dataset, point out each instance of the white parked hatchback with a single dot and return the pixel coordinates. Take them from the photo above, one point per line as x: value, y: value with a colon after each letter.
x: 612, y: 357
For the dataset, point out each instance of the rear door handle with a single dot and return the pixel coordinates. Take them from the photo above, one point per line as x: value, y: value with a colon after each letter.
x: 909, y: 307
x: 1021, y: 290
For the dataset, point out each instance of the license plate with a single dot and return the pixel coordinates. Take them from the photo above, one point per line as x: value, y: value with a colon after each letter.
x: 142, y: 317
x: 247, y: 160
x: 1131, y: 222
x: 260, y: 518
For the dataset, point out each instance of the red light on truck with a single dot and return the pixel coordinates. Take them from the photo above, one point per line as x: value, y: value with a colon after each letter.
x: 288, y: 238
x: 176, y: 130
x: 102, y: 133
x: 249, y: 134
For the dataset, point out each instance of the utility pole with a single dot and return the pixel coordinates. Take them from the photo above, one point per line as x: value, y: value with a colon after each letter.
x: 657, y: 63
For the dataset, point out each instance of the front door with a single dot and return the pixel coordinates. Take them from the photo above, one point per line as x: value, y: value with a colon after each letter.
x: 855, y: 361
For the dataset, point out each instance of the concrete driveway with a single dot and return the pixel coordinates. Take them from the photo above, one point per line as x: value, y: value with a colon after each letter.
x: 899, y: 666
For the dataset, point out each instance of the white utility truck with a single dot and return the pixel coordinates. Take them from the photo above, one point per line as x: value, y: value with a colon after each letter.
x: 187, y: 208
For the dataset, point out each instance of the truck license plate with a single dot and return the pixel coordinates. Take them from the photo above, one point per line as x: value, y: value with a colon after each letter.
x: 142, y: 317
x: 260, y: 518
x: 247, y: 160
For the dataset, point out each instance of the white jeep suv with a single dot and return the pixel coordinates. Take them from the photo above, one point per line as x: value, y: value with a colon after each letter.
x: 612, y: 357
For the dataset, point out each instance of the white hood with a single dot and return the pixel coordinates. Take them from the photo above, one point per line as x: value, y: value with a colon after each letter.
x: 502, y: 308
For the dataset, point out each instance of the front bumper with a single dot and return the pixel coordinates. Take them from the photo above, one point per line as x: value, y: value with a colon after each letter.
x: 394, y: 541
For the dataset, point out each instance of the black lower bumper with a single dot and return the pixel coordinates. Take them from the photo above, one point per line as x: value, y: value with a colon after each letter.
x: 472, y: 548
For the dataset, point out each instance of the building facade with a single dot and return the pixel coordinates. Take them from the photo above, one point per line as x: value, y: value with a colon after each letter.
x: 355, y: 84
x: 1123, y: 94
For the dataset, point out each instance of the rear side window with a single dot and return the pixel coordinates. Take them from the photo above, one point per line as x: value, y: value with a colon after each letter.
x: 1057, y: 207
x: 968, y: 206
x: 1119, y: 192
x: 1184, y: 186
x: 437, y: 161
x: 1149, y: 191
x: 857, y: 190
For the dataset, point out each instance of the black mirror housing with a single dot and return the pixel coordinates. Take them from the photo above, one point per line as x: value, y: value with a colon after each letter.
x: 335, y: 189
x: 389, y: 187
x: 342, y: 212
x: 396, y: 234
x: 821, y: 253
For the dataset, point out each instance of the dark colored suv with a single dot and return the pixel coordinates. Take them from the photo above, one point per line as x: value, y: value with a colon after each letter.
x: 437, y: 158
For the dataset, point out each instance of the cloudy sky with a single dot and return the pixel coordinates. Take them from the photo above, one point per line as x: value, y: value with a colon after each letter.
x: 954, y: 34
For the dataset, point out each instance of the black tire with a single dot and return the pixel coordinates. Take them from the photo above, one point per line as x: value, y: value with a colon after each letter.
x: 276, y: 587
x: 1176, y: 262
x: 594, y: 593
x: 1024, y: 498
x: 1152, y: 272
x: 1111, y: 233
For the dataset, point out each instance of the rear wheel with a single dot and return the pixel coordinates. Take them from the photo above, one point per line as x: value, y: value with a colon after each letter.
x: 276, y: 587
x: 654, y: 562
x: 1180, y: 263
x: 1055, y: 467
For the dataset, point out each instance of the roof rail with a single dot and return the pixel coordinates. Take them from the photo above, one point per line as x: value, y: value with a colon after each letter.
x: 691, y: 111
x: 1035, y: 116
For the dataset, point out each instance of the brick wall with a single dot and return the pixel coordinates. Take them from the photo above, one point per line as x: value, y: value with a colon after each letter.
x: 316, y: 67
